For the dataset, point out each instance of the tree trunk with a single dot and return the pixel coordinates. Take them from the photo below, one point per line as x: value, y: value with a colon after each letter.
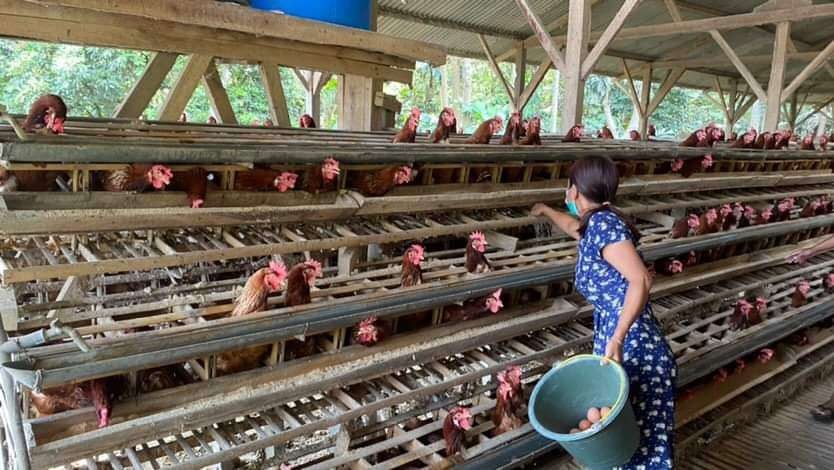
x: 554, y: 107
x: 606, y: 107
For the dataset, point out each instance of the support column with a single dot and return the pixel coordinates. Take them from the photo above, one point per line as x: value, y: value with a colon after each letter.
x: 520, y: 74
x: 730, y: 113
x: 777, y: 76
x: 187, y: 82
x: 576, y: 47
x: 271, y: 78
x: 645, y: 94
x: 218, y: 98
x: 356, y: 103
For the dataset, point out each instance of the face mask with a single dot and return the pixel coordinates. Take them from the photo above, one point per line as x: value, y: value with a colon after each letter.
x: 571, y: 205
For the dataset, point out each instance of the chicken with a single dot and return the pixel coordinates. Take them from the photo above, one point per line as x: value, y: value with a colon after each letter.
x: 696, y: 139
x: 626, y: 168
x: 370, y: 331
x: 746, y: 140
x: 320, y: 179
x: 306, y: 122
x: 380, y: 182
x: 211, y: 120
x: 412, y: 273
x: 764, y: 140
x: 744, y: 315
x: 12, y: 181
x: 780, y: 140
x: 264, y: 179
x: 714, y: 135
x: 408, y: 133
x: 457, y: 422
x: 668, y: 267
x: 513, y: 132
x: 99, y: 393
x: 633, y: 135
x: 161, y: 378
x: 652, y: 132
x: 708, y: 223
x: 474, y: 308
x: 183, y: 118
x: 137, y: 177
x: 252, y: 299
x: 574, y: 134
x: 194, y: 183
x: 48, y: 113
x: 765, y: 216
x: 476, y: 260
x: 484, y: 132
x: 810, y: 209
x: 509, y: 401
x: 829, y: 282
x: 765, y: 355
x: 727, y: 217
x: 447, y: 124
x: 784, y: 208
x: 300, y: 280
x: 823, y: 143
x: 532, y: 135
x: 691, y: 166
x: 605, y: 133
x: 807, y: 143
x: 720, y: 376
x: 748, y: 217
x: 800, y: 294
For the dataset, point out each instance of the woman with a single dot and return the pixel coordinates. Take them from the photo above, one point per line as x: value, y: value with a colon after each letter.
x: 611, y: 275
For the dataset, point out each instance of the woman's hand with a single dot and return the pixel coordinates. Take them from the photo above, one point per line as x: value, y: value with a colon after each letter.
x: 799, y: 256
x: 614, y: 351
x: 539, y: 210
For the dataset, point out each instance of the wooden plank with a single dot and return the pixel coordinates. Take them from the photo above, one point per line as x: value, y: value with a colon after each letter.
x: 496, y: 69
x: 8, y: 308
x: 225, y: 16
x: 271, y: 79
x: 531, y: 87
x: 576, y: 48
x: 140, y: 95
x: 218, y: 98
x: 818, y: 61
x: 72, y: 26
x: 542, y: 34
x: 777, y: 76
x: 604, y: 41
x: 187, y: 82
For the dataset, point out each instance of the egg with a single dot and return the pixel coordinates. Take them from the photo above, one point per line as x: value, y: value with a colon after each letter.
x: 593, y: 415
x: 574, y: 431
x: 604, y: 412
x: 584, y: 424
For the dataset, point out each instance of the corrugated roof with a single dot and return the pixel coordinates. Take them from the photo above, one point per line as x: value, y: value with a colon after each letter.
x: 454, y: 24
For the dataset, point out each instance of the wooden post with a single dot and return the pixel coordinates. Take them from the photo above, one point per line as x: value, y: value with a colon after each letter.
x: 531, y: 87
x: 576, y: 47
x: 271, y: 79
x: 730, y: 113
x: 143, y: 91
x: 777, y: 76
x: 645, y: 94
x: 356, y: 103
x: 187, y: 82
x: 218, y: 98
x: 520, y: 75
x: 497, y: 70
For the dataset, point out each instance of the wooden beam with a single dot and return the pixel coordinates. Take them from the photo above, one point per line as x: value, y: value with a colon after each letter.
x: 777, y: 76
x: 144, y: 90
x: 87, y: 28
x: 497, y: 70
x: 271, y: 79
x: 229, y: 17
x: 745, y: 107
x: 632, y: 90
x: 187, y: 82
x: 520, y: 74
x: 666, y: 86
x: 302, y: 78
x: 809, y: 70
x: 543, y: 36
x: 218, y: 98
x: 534, y: 83
x: 607, y: 36
x: 576, y: 47
x: 760, y: 59
x: 816, y: 109
x: 645, y: 94
x: 742, y: 69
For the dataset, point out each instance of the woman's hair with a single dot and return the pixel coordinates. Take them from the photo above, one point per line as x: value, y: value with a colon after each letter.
x: 597, y: 179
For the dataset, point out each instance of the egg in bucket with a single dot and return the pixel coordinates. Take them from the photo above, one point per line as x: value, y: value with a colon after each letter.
x: 562, y: 398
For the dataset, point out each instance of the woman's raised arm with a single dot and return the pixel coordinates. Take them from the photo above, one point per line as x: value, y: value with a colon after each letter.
x: 564, y: 222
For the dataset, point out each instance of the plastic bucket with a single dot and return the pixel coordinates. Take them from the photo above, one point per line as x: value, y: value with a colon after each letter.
x: 561, y: 400
x: 353, y: 13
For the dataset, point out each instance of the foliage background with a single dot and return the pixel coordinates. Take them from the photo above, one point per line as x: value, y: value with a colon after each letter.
x: 93, y: 81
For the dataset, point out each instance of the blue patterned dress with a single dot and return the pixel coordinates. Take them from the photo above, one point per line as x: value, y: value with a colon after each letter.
x: 647, y: 357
